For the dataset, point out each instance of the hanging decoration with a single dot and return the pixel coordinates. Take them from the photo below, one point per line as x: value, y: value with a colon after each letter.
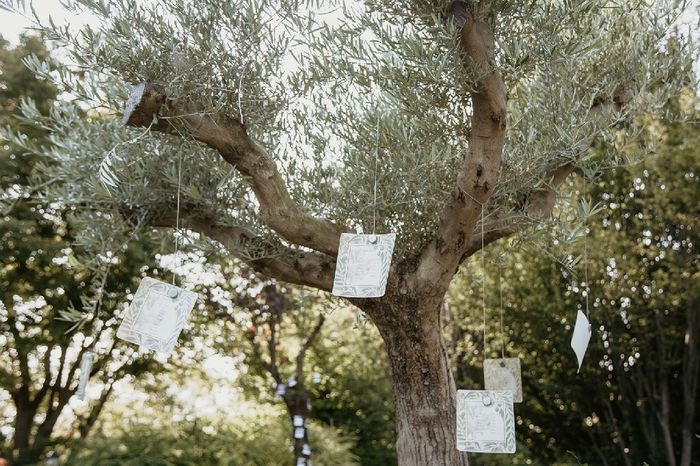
x: 363, y: 263
x: 504, y: 374
x: 86, y: 362
x: 485, y: 421
x: 582, y: 328
x: 298, y: 421
x: 299, y: 433
x: 281, y: 389
x: 316, y: 377
x: 292, y: 381
x: 159, y: 311
x: 581, y: 337
x: 306, y: 450
x: 301, y: 461
x: 156, y: 316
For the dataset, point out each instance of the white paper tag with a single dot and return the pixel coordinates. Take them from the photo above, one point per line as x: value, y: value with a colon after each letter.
x: 298, y: 421
x: 281, y: 390
x: 292, y: 381
x: 581, y: 337
x: 301, y: 461
x: 485, y: 421
x: 85, y: 367
x: 504, y: 374
x: 306, y: 450
x: 363, y: 263
x: 316, y: 377
x: 157, y: 314
x: 299, y: 432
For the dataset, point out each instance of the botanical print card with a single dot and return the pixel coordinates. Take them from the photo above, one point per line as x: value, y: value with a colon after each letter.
x: 156, y: 315
x: 363, y: 265
x: 581, y: 337
x: 504, y: 374
x: 485, y: 421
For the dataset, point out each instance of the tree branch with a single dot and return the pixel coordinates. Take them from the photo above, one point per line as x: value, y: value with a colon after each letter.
x: 229, y: 137
x: 479, y: 173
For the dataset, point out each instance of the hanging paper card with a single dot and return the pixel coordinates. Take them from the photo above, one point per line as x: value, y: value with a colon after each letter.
x: 504, y: 374
x: 485, y: 421
x: 298, y: 421
x: 292, y: 381
x: 156, y: 315
x: 316, y: 377
x: 281, y: 390
x: 85, y: 366
x: 581, y: 337
x: 301, y: 461
x: 306, y: 451
x: 363, y: 265
x: 299, y: 432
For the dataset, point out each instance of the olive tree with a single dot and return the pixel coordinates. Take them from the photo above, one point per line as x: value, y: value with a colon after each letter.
x: 453, y: 125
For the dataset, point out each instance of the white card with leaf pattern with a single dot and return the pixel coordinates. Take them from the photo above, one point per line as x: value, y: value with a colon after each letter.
x: 363, y: 265
x: 156, y: 316
x: 485, y: 421
x: 504, y: 374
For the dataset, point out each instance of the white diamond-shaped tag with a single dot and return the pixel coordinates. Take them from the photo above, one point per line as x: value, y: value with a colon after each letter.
x: 156, y: 316
x: 581, y: 337
x: 504, y: 374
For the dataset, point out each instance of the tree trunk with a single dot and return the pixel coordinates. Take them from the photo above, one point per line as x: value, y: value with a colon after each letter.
x: 424, y: 390
x: 691, y: 362
x: 297, y: 401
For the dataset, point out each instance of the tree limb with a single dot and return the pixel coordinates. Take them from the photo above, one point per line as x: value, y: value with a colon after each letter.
x: 479, y: 173
x: 229, y: 137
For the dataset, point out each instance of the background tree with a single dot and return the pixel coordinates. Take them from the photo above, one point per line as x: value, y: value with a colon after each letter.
x: 634, y: 401
x: 472, y: 110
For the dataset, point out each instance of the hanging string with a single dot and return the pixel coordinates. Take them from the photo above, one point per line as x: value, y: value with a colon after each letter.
x: 177, y: 216
x: 376, y: 164
x: 585, y: 244
x: 483, y: 278
x: 503, y: 336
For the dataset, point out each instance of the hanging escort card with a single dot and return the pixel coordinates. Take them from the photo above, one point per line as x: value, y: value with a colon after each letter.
x: 85, y: 366
x: 156, y: 316
x: 306, y: 450
x: 504, y: 374
x: 292, y: 381
x: 485, y: 421
x: 581, y: 337
x: 298, y: 421
x: 363, y: 265
x: 316, y: 377
x: 281, y: 390
x: 299, y: 432
x: 301, y: 461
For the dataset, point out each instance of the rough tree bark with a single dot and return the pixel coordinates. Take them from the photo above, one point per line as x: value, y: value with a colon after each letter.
x: 408, y: 316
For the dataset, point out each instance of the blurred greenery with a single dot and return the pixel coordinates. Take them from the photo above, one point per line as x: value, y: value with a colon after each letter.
x: 638, y: 383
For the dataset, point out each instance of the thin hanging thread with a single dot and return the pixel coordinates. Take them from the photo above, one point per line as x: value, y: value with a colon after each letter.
x: 376, y: 164
x: 177, y: 216
x: 503, y: 335
x: 483, y: 278
x: 585, y: 245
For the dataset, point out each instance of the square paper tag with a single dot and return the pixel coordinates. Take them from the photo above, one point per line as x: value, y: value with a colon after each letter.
x: 485, y: 421
x: 363, y: 265
x: 581, y: 337
x: 156, y: 315
x: 504, y: 374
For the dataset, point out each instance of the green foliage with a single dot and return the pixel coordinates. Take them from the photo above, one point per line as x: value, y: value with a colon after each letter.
x: 329, y: 86
x: 252, y: 440
x: 643, y: 272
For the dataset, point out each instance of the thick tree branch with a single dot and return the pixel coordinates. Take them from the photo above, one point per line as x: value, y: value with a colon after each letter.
x: 307, y: 344
x: 479, y: 173
x: 540, y: 205
x: 229, y: 137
